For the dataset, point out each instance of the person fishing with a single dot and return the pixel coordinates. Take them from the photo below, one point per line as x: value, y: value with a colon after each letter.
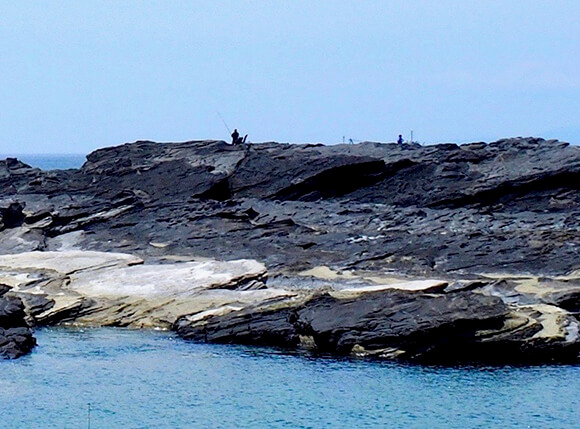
x: 236, y: 139
x: 235, y: 136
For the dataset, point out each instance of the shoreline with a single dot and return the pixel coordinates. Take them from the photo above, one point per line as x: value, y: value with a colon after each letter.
x: 234, y: 302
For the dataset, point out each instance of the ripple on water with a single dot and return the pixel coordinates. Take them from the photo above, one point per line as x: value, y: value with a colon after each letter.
x: 139, y: 379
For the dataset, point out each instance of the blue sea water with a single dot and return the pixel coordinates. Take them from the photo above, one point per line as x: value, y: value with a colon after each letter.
x: 149, y: 379
x: 49, y: 161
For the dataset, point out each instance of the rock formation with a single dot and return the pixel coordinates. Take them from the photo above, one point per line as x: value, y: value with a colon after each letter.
x: 115, y: 289
x: 333, y: 226
x: 15, y: 334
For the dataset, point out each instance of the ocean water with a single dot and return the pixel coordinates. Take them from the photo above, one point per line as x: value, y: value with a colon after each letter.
x: 49, y: 161
x: 149, y: 379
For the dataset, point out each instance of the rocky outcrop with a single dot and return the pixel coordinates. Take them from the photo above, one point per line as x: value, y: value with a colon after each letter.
x: 426, y: 325
x: 428, y: 321
x: 15, y: 335
x: 114, y: 289
x: 511, y: 206
x: 489, y: 219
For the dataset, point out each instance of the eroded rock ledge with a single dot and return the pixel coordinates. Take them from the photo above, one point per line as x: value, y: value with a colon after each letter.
x: 228, y: 302
x: 471, y: 323
x: 115, y: 289
x: 498, y: 223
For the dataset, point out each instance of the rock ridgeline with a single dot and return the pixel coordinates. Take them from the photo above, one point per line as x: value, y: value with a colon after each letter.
x: 511, y: 206
x: 335, y: 226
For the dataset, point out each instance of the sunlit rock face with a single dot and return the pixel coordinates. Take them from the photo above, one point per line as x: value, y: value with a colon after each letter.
x: 99, y: 288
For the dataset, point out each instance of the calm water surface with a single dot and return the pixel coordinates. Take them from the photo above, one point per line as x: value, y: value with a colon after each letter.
x: 148, y: 379
x: 49, y: 161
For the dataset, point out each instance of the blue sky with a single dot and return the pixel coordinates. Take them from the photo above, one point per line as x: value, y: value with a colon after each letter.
x: 79, y: 75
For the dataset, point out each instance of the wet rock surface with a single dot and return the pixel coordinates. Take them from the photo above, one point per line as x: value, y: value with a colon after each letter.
x: 480, y: 216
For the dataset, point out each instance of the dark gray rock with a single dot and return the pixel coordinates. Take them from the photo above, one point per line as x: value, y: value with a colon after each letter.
x: 420, y: 325
x: 35, y: 304
x: 11, y: 214
x: 452, y: 211
x: 3, y: 289
x: 512, y: 206
x: 447, y: 328
x: 565, y: 295
x: 415, y: 326
x: 15, y: 335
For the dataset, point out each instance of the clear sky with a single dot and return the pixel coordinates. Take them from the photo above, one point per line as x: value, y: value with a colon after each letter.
x: 79, y: 75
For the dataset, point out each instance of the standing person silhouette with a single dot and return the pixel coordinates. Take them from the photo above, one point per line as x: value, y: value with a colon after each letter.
x: 400, y: 141
x: 235, y: 136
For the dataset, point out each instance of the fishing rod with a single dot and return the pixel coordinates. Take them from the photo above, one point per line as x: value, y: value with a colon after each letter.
x: 228, y: 128
x: 224, y: 121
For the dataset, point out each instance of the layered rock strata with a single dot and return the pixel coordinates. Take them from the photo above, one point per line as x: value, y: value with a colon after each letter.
x: 115, y: 289
x: 498, y: 222
x: 428, y: 321
x: 511, y: 206
x: 429, y: 325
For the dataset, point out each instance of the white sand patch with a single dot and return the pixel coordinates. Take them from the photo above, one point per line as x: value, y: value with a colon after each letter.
x: 220, y: 311
x: 158, y: 245
x: 326, y: 273
x: 504, y: 276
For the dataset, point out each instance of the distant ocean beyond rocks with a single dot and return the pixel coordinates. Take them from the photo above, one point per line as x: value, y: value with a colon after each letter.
x: 50, y: 161
x: 446, y: 253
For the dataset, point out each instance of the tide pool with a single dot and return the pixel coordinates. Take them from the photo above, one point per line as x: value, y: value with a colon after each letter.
x: 149, y: 379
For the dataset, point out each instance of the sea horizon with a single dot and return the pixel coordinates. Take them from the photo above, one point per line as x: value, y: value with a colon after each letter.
x: 49, y: 161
